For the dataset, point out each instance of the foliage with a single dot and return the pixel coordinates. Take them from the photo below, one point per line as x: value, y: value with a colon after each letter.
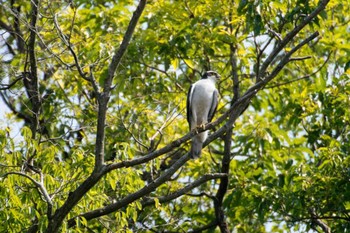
x: 95, y: 138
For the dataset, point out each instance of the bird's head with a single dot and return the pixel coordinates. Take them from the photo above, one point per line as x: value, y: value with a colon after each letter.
x: 211, y: 75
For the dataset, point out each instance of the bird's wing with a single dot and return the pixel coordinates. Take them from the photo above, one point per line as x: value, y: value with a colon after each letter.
x: 214, y: 105
x: 189, y: 104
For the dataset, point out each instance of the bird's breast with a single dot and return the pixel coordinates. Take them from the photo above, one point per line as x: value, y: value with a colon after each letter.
x: 202, y: 99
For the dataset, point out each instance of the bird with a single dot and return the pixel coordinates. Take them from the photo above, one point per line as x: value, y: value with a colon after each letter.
x: 201, y: 105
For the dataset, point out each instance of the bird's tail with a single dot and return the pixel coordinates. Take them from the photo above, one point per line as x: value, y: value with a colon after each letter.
x: 196, y: 148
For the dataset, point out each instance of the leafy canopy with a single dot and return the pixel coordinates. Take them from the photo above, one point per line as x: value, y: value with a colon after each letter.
x: 94, y: 135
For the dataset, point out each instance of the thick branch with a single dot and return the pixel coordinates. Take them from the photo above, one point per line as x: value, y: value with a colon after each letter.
x: 233, y: 113
x: 238, y: 106
x: 72, y: 200
x: 134, y: 196
x: 103, y: 99
x: 319, y: 222
x: 18, y: 34
x: 30, y: 79
x: 234, y: 73
x: 225, y: 168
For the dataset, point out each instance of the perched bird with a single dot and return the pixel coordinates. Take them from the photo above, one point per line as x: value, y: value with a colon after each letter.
x: 202, y: 101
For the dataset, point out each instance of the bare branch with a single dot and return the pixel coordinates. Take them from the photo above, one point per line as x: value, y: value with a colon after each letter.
x: 15, y: 10
x: 152, y: 67
x: 168, y: 121
x: 61, y: 137
x: 201, y: 194
x: 286, y: 58
x: 234, y: 73
x: 134, y: 137
x: 221, y: 192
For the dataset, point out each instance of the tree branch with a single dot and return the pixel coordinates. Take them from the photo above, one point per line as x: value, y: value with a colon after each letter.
x: 72, y: 200
x: 124, y: 45
x: 39, y: 185
x: 8, y: 86
x: 301, y: 78
x: 233, y: 113
x: 282, y: 43
x: 18, y: 34
x: 70, y: 48
x: 286, y: 58
x: 299, y: 58
x: 239, y: 105
x: 234, y: 73
x: 318, y: 221
x: 134, y: 196
x: 6, y: 27
x: 206, y: 227
x: 225, y: 168
x: 184, y: 190
x: 8, y: 103
x: 30, y: 79
x: 103, y: 98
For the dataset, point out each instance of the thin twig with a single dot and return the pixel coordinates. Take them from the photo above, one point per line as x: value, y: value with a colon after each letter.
x: 299, y: 58
x: 8, y: 86
x: 134, y: 137
x: 70, y: 48
x: 39, y: 185
x: 185, y: 189
x: 301, y: 78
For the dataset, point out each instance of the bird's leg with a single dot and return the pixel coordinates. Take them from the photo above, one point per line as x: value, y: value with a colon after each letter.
x: 198, y: 127
x: 201, y: 126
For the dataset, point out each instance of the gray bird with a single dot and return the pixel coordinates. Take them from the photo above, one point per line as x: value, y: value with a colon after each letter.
x: 202, y: 101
